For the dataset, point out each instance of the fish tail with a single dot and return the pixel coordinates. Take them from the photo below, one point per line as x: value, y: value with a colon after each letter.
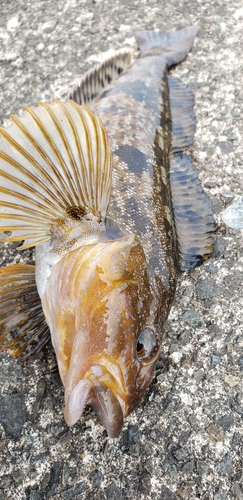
x: 175, y: 46
x: 23, y: 329
x: 55, y: 164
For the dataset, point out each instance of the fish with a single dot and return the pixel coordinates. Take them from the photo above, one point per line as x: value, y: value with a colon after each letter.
x: 103, y: 187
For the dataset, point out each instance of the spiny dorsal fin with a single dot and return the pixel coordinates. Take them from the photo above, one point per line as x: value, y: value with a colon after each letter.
x: 23, y: 329
x: 55, y: 163
x: 98, y: 78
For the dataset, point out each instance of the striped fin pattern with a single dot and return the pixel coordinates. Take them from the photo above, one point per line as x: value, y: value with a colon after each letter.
x: 98, y: 78
x: 55, y: 163
x: 23, y: 329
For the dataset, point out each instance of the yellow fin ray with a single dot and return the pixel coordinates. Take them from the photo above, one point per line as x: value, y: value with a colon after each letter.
x: 55, y: 163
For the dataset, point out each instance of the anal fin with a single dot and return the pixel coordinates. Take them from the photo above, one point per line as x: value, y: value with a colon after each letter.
x: 193, y: 213
x: 23, y: 329
x: 95, y: 81
x: 182, y: 115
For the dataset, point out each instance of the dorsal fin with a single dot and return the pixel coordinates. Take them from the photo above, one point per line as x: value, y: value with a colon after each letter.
x: 193, y: 213
x: 182, y: 114
x: 98, y: 78
x: 55, y: 163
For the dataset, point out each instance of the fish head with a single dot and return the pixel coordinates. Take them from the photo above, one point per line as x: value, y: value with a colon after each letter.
x: 97, y: 304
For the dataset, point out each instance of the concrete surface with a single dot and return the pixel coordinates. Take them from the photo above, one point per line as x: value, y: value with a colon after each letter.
x: 185, y: 439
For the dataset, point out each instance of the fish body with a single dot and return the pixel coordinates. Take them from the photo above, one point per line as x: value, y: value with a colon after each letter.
x: 136, y: 114
x: 108, y: 247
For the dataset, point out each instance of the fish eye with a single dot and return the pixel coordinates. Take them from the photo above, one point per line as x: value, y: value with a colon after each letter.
x: 148, y: 344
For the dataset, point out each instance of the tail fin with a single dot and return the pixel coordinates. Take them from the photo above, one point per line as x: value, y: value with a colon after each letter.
x: 175, y: 46
x: 55, y: 163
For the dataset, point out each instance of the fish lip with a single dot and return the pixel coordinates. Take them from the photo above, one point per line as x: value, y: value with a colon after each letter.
x: 109, y: 373
x: 75, y: 402
x: 107, y: 408
x: 107, y: 404
x: 104, y: 368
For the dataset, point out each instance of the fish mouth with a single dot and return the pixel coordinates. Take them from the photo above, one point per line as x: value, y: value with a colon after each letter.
x: 103, y: 401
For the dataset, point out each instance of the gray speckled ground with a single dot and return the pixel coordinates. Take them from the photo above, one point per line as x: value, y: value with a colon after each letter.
x: 185, y: 439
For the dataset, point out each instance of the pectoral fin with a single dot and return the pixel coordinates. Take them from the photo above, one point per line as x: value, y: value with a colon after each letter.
x: 55, y: 164
x: 23, y: 329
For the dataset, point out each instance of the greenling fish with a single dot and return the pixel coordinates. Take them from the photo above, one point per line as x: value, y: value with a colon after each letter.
x: 102, y: 187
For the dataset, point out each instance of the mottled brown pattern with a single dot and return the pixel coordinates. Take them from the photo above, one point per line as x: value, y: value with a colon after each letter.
x: 136, y: 115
